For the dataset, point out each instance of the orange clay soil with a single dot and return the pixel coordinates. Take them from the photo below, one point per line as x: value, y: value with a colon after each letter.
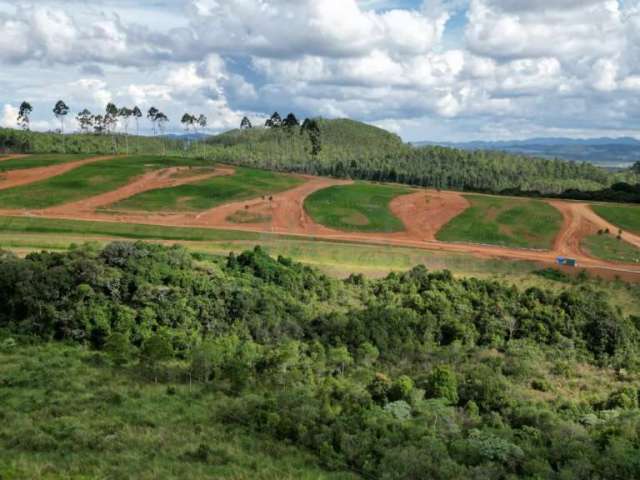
x: 423, y: 213
x: 16, y: 178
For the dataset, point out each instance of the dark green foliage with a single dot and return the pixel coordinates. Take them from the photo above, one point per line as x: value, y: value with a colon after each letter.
x: 416, y: 375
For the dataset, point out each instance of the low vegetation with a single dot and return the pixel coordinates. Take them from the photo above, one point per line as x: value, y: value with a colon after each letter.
x: 173, y: 366
x: 506, y: 222
x: 245, y: 184
x: 627, y: 217
x: 609, y: 247
x: 361, y: 207
x: 88, y: 180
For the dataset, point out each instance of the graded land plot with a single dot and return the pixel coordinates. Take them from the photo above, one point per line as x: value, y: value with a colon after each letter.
x: 626, y: 217
x: 245, y: 184
x: 508, y: 222
x: 37, y: 161
x: 361, y: 207
x: 87, y: 181
x: 609, y: 247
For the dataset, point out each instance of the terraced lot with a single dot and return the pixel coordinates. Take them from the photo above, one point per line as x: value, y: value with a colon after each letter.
x: 361, y: 207
x: 626, y: 217
x: 245, y: 184
x: 608, y: 247
x: 87, y: 181
x: 503, y: 221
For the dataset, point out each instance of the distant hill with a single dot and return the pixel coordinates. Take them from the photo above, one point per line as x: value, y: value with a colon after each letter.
x: 607, y: 152
x: 335, y: 133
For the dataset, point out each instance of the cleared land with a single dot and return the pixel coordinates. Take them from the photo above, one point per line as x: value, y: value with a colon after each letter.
x: 508, y: 222
x: 360, y: 207
x: 245, y: 184
x: 86, y: 180
x: 608, y: 247
x: 626, y: 217
x: 21, y: 162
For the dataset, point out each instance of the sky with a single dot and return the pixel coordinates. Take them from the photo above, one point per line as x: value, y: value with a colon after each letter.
x: 440, y: 70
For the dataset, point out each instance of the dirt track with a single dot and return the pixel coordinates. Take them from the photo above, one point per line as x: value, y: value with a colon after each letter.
x: 16, y: 178
x: 423, y: 213
x: 12, y: 156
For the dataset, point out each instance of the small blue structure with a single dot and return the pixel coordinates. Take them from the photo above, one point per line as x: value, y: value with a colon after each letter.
x: 569, y: 262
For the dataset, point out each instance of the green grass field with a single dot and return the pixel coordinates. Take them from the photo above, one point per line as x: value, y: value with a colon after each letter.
x: 608, y: 247
x: 627, y: 217
x: 503, y: 221
x: 361, y: 207
x: 35, y: 161
x: 87, y: 181
x: 245, y: 184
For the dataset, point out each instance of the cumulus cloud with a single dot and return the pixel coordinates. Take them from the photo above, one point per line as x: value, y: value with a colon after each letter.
x: 9, y: 116
x: 547, y: 65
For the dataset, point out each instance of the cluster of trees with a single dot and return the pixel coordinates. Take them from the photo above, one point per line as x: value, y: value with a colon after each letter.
x: 193, y: 123
x: 106, y: 122
x: 276, y: 124
x: 417, y: 375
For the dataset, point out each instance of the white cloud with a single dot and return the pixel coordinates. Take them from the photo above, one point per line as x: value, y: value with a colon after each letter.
x: 9, y: 116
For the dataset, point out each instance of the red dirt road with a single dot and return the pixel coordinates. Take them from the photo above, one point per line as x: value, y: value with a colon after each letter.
x: 12, y: 156
x: 16, y: 178
x: 423, y: 213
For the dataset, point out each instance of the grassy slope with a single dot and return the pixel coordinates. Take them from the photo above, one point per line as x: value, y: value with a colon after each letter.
x: 245, y: 184
x: 626, y: 217
x: 504, y: 221
x: 361, y: 207
x: 608, y: 247
x: 35, y: 161
x: 67, y: 414
x: 86, y: 181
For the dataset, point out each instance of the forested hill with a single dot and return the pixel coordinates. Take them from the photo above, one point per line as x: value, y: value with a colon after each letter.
x: 417, y: 375
x: 356, y: 150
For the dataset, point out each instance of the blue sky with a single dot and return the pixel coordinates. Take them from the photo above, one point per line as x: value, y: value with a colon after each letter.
x: 428, y: 70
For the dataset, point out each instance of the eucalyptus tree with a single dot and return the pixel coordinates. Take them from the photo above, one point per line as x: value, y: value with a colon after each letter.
x: 111, y: 122
x: 137, y: 115
x: 24, y: 115
x: 60, y: 110
x: 85, y: 120
x: 152, y: 115
x: 245, y: 124
x: 125, y: 113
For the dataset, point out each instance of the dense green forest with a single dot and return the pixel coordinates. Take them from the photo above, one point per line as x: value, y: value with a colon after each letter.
x: 416, y: 375
x: 350, y: 149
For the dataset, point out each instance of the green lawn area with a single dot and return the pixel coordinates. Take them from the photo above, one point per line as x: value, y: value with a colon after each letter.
x: 67, y: 413
x: 87, y: 181
x: 627, y: 217
x: 503, y: 221
x: 361, y: 207
x: 35, y: 161
x: 608, y: 247
x: 245, y: 184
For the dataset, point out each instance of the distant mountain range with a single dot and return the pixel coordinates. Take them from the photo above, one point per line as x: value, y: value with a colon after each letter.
x: 608, y: 152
